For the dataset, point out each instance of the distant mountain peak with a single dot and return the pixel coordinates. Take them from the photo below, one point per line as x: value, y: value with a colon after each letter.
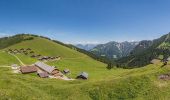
x: 114, y: 49
x: 145, y: 51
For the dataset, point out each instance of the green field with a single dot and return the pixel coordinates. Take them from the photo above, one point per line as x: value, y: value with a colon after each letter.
x: 6, y: 59
x: 103, y: 84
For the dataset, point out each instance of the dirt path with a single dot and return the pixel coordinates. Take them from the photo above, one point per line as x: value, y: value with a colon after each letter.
x: 5, y: 66
x: 17, y: 59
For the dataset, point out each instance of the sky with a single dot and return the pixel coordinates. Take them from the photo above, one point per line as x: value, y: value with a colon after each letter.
x: 86, y: 21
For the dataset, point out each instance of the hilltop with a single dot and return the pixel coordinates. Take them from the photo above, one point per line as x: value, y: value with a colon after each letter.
x: 70, y: 58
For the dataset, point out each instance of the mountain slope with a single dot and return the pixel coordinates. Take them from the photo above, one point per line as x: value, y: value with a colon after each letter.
x: 103, y: 84
x: 143, y: 45
x: 70, y: 58
x: 114, y: 49
x: 7, y: 41
x: 141, y: 83
x: 145, y: 52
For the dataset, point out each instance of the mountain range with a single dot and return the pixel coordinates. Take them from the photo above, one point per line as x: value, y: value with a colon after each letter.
x: 146, y: 51
x: 114, y: 49
x: 133, y: 53
x: 102, y: 84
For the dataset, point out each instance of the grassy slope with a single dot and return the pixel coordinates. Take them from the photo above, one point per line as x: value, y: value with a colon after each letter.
x: 70, y: 59
x: 6, y: 59
x: 46, y: 47
x: 140, y: 83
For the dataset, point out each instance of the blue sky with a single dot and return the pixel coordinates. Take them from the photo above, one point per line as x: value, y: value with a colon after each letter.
x: 86, y: 21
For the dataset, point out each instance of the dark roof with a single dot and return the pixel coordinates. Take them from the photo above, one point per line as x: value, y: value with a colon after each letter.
x: 84, y: 74
x: 66, y: 70
x: 28, y: 69
x: 28, y: 49
x: 43, y: 75
x: 33, y: 55
x: 45, y: 67
x: 155, y: 61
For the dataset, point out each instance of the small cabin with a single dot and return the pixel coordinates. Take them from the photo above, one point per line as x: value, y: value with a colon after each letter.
x: 155, y: 61
x: 164, y: 77
x: 33, y: 56
x: 31, y: 51
x: 38, y: 55
x: 82, y: 75
x: 15, y: 66
x: 165, y: 62
x: 22, y: 49
x: 66, y: 71
x: 28, y: 49
x: 43, y: 75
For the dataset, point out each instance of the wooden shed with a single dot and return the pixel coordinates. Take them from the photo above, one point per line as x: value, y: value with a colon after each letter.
x: 28, y: 69
x: 155, y: 61
x: 66, y: 71
x: 82, y: 75
x: 43, y: 75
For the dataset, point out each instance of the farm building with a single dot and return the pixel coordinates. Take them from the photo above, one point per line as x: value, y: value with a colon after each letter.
x: 165, y: 62
x: 164, y: 77
x: 28, y: 69
x: 22, y: 49
x: 28, y: 49
x: 31, y: 51
x: 33, y: 56
x: 56, y: 71
x: 82, y: 75
x: 155, y: 61
x: 43, y: 75
x: 46, y: 68
x: 66, y: 71
x: 15, y: 66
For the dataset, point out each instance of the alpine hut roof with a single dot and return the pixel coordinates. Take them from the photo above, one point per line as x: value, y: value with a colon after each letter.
x: 28, y: 69
x: 45, y: 67
x: 43, y: 75
x: 66, y: 71
x: 83, y: 75
x: 155, y: 61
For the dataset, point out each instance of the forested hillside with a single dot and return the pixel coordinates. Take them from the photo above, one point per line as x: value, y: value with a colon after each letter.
x: 114, y: 50
x: 145, y: 52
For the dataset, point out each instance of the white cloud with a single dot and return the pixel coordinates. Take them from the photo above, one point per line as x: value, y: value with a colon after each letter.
x: 4, y: 34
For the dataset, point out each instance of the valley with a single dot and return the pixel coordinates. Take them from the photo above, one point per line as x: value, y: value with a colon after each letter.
x: 118, y: 83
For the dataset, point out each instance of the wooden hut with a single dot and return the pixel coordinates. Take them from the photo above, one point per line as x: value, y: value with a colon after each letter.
x: 28, y: 69
x: 82, y: 75
x: 46, y: 68
x: 43, y: 75
x: 155, y: 61
x: 31, y: 51
x: 28, y: 49
x: 66, y: 71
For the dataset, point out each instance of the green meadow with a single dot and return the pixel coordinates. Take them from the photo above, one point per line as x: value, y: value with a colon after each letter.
x: 115, y: 84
